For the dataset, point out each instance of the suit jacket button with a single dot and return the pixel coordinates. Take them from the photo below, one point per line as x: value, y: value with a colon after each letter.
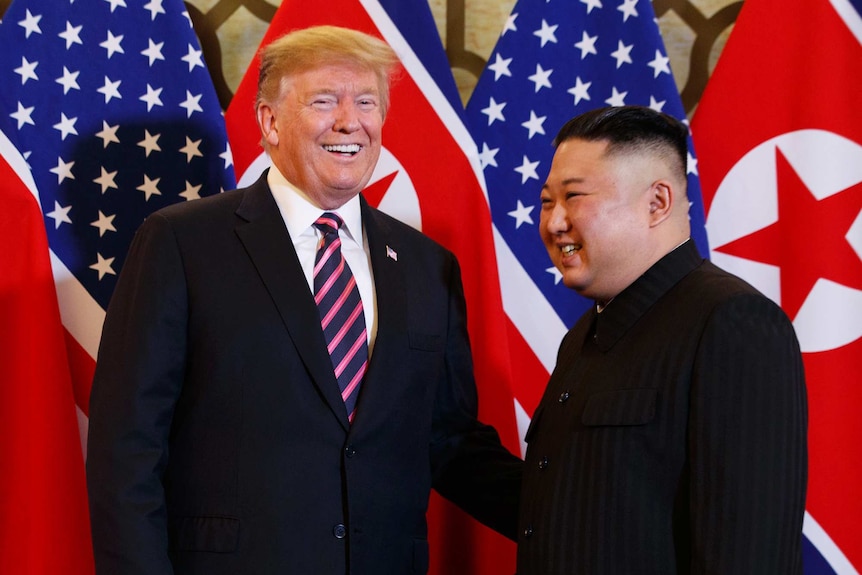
x: 564, y: 397
x: 543, y: 462
x: 528, y: 531
x: 349, y: 451
x: 339, y: 531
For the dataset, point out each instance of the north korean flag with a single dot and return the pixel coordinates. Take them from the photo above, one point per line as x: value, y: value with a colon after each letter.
x: 428, y: 176
x: 779, y: 139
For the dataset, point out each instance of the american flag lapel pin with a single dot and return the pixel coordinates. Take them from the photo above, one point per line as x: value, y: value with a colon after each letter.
x: 390, y: 253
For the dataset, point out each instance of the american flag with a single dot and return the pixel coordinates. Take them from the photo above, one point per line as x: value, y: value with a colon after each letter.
x: 107, y: 113
x: 556, y: 59
x: 113, y: 108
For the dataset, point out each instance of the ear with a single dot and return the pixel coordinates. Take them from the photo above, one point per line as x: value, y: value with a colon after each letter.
x: 661, y: 201
x: 267, y: 123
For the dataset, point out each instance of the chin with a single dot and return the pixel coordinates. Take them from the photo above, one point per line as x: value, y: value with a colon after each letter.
x: 350, y: 183
x: 577, y: 285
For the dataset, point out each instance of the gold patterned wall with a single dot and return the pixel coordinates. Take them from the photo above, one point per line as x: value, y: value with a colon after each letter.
x: 694, y: 32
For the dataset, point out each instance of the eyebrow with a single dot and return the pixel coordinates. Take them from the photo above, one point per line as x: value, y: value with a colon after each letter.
x: 567, y: 182
x: 334, y: 91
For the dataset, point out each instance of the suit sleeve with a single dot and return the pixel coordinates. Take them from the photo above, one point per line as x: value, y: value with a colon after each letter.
x: 470, y: 466
x: 747, y: 441
x: 138, y: 379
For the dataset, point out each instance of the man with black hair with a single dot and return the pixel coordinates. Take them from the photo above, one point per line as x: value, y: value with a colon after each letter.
x: 671, y: 437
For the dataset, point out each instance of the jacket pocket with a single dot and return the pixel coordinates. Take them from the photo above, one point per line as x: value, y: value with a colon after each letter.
x: 213, y: 534
x: 620, y: 407
x: 425, y: 341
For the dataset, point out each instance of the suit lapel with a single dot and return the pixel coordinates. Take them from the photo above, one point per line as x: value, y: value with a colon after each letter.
x: 390, y: 290
x: 265, y: 238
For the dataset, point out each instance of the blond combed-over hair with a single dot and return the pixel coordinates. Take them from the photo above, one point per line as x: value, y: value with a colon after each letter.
x: 308, y: 48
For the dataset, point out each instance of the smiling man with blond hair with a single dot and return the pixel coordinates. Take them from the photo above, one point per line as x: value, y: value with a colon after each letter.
x: 285, y: 371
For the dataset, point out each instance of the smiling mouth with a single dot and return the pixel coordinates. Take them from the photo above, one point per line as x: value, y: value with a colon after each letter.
x: 343, y: 148
x: 569, y: 249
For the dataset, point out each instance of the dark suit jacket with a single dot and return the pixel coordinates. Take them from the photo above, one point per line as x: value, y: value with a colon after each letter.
x: 671, y: 437
x: 218, y: 440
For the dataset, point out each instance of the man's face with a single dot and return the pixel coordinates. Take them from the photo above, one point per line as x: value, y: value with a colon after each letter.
x: 324, y: 132
x: 595, y: 218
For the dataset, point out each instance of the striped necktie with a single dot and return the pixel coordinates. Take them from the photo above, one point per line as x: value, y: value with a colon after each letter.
x: 341, y: 314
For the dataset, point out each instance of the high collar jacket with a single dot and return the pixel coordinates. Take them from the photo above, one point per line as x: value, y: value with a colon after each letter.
x: 671, y: 436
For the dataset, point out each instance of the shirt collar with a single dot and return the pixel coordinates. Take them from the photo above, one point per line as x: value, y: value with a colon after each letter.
x: 299, y: 212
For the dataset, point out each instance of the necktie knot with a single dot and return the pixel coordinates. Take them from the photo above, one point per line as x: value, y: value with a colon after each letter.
x: 328, y: 223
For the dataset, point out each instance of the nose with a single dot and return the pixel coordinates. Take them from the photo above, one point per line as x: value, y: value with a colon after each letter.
x: 346, y: 118
x: 555, y: 219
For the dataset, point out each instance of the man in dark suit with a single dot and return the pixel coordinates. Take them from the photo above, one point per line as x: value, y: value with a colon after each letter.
x: 671, y: 437
x: 285, y: 372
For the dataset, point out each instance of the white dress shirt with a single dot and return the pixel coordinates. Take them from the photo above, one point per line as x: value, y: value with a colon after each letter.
x: 299, y: 215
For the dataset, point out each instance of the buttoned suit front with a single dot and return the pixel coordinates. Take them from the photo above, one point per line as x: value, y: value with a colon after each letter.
x: 219, y: 442
x: 671, y: 438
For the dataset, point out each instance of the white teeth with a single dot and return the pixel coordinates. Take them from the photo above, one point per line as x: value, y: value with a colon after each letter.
x: 570, y: 249
x: 344, y: 148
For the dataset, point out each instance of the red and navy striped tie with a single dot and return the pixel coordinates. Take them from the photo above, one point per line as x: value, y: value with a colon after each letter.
x: 341, y: 314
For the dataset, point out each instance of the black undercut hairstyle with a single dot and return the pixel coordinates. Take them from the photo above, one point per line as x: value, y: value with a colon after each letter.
x: 631, y: 129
